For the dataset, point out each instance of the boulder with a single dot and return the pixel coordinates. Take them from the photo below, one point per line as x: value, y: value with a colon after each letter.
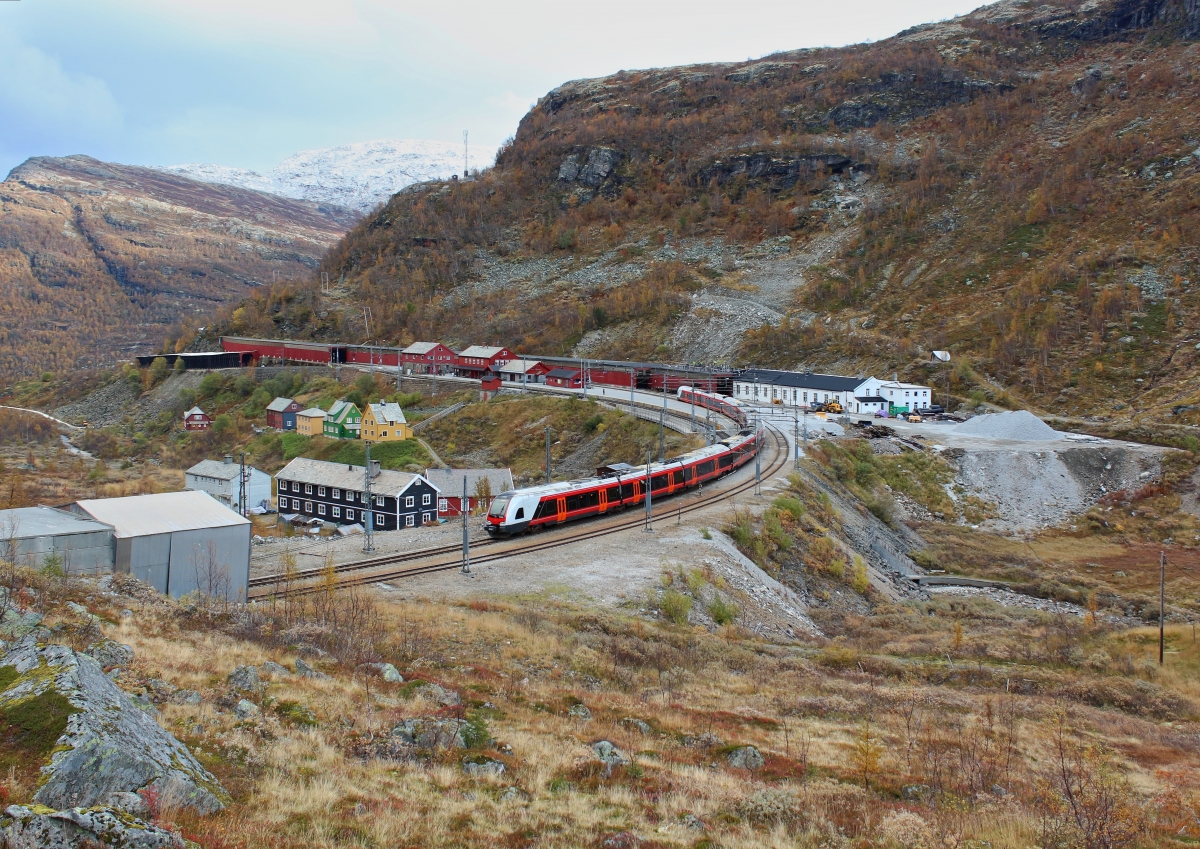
x: 429, y: 733
x: 110, y: 653
x: 483, y: 767
x: 245, y: 679
x: 391, y: 674
x: 75, y: 828
x: 745, y: 757
x: 107, y: 744
x: 609, y: 754
x: 306, y: 671
x: 247, y: 710
x: 276, y: 669
x: 636, y: 724
x: 436, y: 693
x: 581, y: 711
x: 14, y: 625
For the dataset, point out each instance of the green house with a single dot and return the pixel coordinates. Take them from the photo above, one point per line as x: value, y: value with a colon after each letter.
x: 342, y: 421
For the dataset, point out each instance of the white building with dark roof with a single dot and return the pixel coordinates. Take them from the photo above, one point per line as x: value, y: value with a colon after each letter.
x: 336, y: 493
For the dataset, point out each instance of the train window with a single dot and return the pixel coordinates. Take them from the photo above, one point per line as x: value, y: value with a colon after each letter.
x: 614, y: 494
x: 499, y: 506
x: 660, y: 482
x: 520, y: 513
x: 680, y: 477
x: 546, y: 508
x: 726, y: 461
x: 626, y: 491
x: 589, y: 499
x: 704, y: 468
x: 574, y: 502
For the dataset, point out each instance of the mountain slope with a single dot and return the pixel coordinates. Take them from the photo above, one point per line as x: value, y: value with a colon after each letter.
x: 358, y: 176
x: 98, y: 260
x: 1018, y: 185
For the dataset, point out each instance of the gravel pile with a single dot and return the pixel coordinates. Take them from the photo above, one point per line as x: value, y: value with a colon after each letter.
x: 1020, y: 425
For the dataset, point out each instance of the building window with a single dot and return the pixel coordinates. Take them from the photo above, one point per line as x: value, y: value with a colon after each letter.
x: 337, y: 512
x: 364, y: 498
x: 350, y: 496
x: 307, y: 506
x: 443, y: 505
x: 379, y: 500
x: 308, y: 489
x: 295, y: 503
x: 337, y: 493
x: 379, y: 520
x: 321, y: 509
x: 408, y: 520
x: 321, y: 491
x: 409, y: 501
x: 425, y: 518
x: 350, y: 513
x: 426, y: 499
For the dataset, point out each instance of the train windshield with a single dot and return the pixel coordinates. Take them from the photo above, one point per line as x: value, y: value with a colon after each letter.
x: 499, y: 506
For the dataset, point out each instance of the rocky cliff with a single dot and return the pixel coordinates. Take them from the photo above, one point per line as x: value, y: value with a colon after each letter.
x: 100, y: 260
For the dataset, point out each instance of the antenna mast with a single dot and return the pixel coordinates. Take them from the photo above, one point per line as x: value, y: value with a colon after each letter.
x: 465, y: 151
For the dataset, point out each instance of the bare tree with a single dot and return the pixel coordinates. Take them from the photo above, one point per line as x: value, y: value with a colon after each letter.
x: 213, y: 582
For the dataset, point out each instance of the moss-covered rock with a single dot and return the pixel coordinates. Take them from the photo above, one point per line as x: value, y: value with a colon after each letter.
x: 88, y: 737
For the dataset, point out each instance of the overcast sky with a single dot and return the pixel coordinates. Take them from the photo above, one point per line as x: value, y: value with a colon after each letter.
x: 249, y: 82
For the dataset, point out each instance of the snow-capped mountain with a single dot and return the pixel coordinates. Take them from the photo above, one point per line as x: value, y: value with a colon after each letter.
x: 357, y: 176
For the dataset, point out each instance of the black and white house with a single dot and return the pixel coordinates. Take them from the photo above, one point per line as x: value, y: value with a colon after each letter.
x: 335, y: 492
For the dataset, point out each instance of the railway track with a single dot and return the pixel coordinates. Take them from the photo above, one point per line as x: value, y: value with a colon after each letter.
x: 376, y: 569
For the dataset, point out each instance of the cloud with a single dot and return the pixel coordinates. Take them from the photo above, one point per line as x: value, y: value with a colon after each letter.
x: 39, y: 99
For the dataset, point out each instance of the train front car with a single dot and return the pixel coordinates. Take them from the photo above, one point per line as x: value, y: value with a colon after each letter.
x: 511, y: 512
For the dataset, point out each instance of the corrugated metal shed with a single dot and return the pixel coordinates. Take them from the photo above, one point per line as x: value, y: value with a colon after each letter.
x: 161, y: 513
x: 24, y: 522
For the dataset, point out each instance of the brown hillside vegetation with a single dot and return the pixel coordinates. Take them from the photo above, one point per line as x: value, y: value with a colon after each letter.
x: 1019, y: 185
x: 99, y: 260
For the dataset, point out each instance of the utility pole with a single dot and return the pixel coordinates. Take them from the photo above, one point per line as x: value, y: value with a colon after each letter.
x: 369, y: 525
x: 693, y: 406
x: 547, y: 455
x: 466, y: 509
x: 649, y: 524
x: 242, y: 486
x: 466, y: 170
x: 662, y: 426
x: 1162, y: 606
x: 796, y: 438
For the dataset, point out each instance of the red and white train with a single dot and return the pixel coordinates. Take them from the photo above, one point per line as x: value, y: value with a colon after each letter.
x: 538, y: 507
x: 726, y: 406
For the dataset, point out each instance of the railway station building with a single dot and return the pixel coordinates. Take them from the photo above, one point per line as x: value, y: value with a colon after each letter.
x: 336, y: 493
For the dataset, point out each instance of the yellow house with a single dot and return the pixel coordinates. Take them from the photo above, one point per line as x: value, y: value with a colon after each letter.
x: 310, y: 422
x: 384, y: 423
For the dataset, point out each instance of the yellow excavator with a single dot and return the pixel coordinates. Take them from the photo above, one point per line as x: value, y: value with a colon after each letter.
x: 828, y: 407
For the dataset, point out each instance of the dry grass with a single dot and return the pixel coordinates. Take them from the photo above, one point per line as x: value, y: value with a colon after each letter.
x: 948, y: 733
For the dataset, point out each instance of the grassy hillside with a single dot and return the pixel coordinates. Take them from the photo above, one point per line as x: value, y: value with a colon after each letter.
x: 1019, y: 185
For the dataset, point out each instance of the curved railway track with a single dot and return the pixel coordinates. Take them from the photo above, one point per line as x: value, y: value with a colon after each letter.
x: 375, y: 569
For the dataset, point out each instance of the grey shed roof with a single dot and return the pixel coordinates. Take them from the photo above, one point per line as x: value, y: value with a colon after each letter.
x: 27, y: 522
x: 279, y: 405
x: 483, y: 352
x: 344, y: 476
x: 161, y: 513
x: 420, y: 347
x: 449, y: 481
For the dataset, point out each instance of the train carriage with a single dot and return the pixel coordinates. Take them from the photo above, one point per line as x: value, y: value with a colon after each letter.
x: 726, y: 406
x: 538, y: 507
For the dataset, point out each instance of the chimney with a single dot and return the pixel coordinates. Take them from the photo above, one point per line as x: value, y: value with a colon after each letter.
x: 229, y: 459
x: 374, y: 468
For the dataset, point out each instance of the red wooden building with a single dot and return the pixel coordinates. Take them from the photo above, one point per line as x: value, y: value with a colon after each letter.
x: 477, y: 359
x: 428, y: 358
x: 281, y: 414
x: 196, y: 419
x: 569, y: 377
x: 450, y: 485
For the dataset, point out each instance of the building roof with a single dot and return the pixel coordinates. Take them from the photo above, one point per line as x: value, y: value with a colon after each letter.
x: 340, y: 409
x: 312, y: 412
x: 800, y: 380
x: 484, y: 352
x: 520, y: 366
x: 563, y: 372
x: 280, y: 405
x: 449, y: 481
x: 867, y: 400
x: 195, y: 411
x: 27, y: 522
x: 344, y: 476
x: 388, y: 413
x: 218, y: 469
x: 420, y: 347
x: 161, y: 513
x: 897, y: 384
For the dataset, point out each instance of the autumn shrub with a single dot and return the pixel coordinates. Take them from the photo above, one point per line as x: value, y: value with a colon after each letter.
x: 676, y: 606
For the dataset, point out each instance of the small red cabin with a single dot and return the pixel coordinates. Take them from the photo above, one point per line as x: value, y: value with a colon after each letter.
x: 196, y: 419
x: 569, y: 377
